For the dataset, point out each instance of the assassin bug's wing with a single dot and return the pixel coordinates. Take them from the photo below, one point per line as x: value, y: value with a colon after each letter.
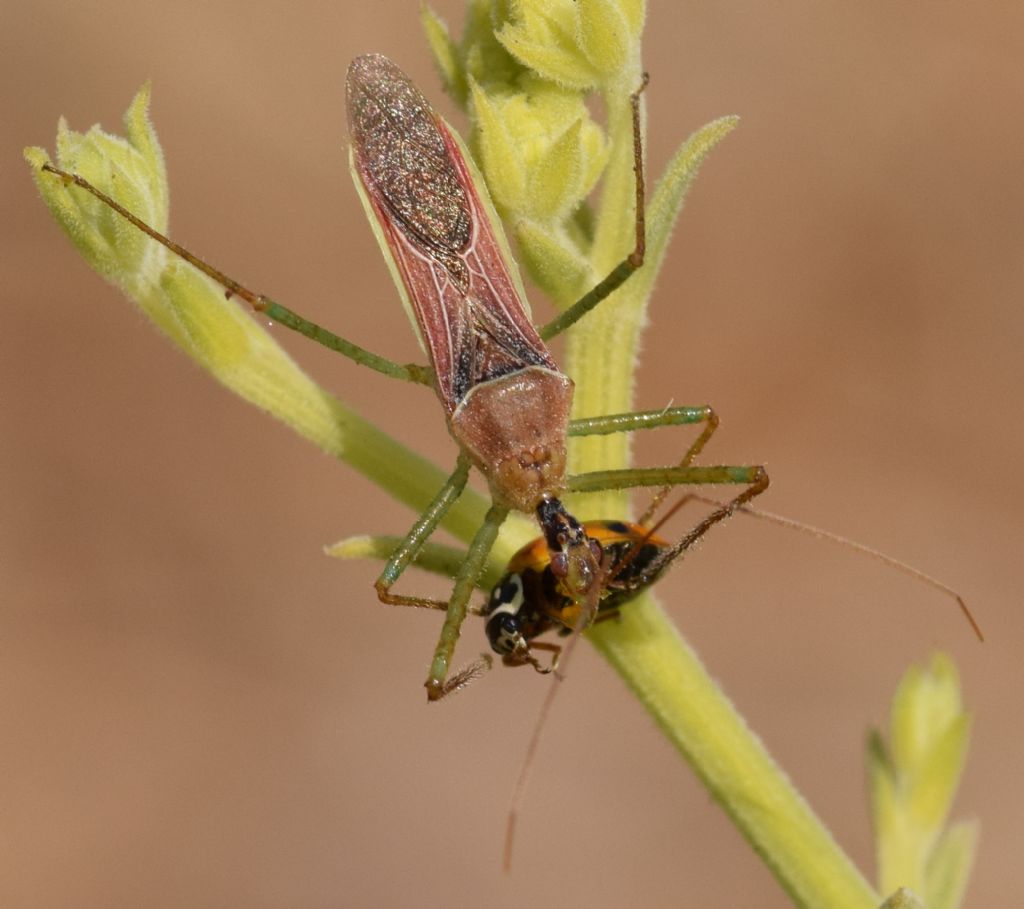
x: 440, y: 236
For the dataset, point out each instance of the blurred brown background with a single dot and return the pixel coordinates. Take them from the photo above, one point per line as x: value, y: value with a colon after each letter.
x: 197, y: 708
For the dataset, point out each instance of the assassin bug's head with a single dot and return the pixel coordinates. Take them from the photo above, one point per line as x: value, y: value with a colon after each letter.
x: 575, y: 560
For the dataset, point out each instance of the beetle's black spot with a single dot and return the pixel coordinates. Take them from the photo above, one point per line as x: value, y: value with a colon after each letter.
x: 617, y: 527
x: 508, y: 589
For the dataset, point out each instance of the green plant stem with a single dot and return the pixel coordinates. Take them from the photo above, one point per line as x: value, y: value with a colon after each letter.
x: 600, y: 351
x: 668, y: 679
x: 644, y: 647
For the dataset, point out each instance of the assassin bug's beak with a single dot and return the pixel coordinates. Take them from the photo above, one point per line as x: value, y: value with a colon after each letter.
x: 575, y: 561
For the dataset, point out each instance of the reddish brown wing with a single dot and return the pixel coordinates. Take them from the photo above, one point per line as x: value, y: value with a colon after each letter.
x: 471, y: 318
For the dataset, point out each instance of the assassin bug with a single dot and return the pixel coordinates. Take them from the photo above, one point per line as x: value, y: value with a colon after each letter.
x: 505, y: 401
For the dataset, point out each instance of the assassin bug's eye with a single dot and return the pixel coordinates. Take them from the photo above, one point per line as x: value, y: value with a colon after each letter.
x: 559, y: 564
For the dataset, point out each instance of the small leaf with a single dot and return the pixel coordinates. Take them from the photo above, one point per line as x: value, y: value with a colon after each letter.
x: 938, y: 773
x: 882, y: 785
x: 926, y: 702
x: 446, y: 55
x: 552, y: 63
x: 903, y: 899
x: 537, y: 167
x: 486, y: 61
x: 553, y: 260
x: 667, y: 199
x: 557, y: 178
x: 129, y: 169
x: 949, y: 867
x: 544, y: 37
x: 913, y: 782
x: 606, y: 37
x: 433, y: 557
x: 634, y: 12
x: 499, y: 156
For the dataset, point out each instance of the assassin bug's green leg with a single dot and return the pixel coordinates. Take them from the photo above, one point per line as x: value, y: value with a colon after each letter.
x: 438, y: 684
x: 421, y: 531
x: 621, y: 273
x: 684, y: 473
x: 651, y: 419
x: 259, y: 302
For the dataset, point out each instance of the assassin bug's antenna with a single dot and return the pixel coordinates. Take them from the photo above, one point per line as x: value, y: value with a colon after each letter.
x: 839, y: 540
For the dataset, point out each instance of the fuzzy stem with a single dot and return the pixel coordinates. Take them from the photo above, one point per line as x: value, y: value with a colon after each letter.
x: 668, y: 679
x: 600, y: 352
x: 645, y: 648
